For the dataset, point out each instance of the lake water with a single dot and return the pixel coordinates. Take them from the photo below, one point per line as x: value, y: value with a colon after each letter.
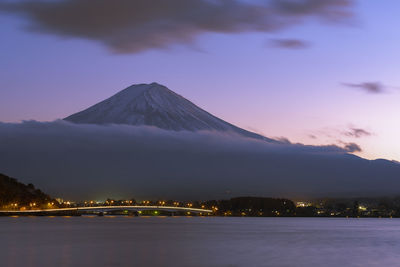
x: 198, y: 241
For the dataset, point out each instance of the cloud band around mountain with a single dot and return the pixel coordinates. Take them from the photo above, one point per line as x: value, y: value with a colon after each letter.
x: 83, y: 161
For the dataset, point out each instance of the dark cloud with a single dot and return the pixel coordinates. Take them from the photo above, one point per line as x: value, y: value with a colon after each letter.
x: 129, y: 26
x: 369, y: 87
x: 283, y: 140
x: 289, y: 43
x: 92, y: 161
x: 352, y: 147
x: 357, y: 133
x: 331, y: 9
x: 312, y: 136
x: 350, y: 131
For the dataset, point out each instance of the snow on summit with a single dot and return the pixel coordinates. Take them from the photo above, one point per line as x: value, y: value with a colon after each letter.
x: 155, y: 105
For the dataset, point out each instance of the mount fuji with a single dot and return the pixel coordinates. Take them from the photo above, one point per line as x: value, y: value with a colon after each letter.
x: 95, y: 155
x: 156, y: 105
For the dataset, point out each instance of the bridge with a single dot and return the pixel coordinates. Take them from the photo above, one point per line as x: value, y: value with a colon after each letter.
x: 103, y: 209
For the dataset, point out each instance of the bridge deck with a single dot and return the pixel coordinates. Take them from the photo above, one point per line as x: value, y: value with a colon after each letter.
x: 111, y: 208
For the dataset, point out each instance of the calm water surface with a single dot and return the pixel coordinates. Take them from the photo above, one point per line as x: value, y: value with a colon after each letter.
x: 198, y: 241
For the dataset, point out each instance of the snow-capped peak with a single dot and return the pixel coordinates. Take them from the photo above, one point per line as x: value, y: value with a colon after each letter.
x: 155, y: 105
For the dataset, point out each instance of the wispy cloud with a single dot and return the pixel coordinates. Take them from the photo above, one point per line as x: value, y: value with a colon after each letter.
x: 343, y: 138
x: 337, y: 132
x: 289, y: 43
x: 368, y: 87
x: 352, y: 147
x: 357, y: 132
x: 130, y: 26
x: 312, y: 136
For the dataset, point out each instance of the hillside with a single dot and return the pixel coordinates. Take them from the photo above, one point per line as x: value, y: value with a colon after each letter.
x: 13, y: 192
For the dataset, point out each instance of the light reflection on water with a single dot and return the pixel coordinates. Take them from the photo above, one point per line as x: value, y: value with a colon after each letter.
x: 198, y: 241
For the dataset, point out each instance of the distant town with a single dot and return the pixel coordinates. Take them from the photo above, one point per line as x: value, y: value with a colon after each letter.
x: 20, y: 199
x: 269, y: 207
x: 237, y: 207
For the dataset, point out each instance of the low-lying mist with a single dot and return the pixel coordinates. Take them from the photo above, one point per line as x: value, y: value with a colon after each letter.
x: 78, y: 161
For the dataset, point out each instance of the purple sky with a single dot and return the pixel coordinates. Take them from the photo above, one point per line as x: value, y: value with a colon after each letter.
x: 312, y: 80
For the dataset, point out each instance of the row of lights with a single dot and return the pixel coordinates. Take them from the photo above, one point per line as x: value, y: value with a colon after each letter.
x: 147, y: 202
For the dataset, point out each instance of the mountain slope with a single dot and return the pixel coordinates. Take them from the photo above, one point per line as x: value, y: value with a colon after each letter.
x: 155, y: 105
